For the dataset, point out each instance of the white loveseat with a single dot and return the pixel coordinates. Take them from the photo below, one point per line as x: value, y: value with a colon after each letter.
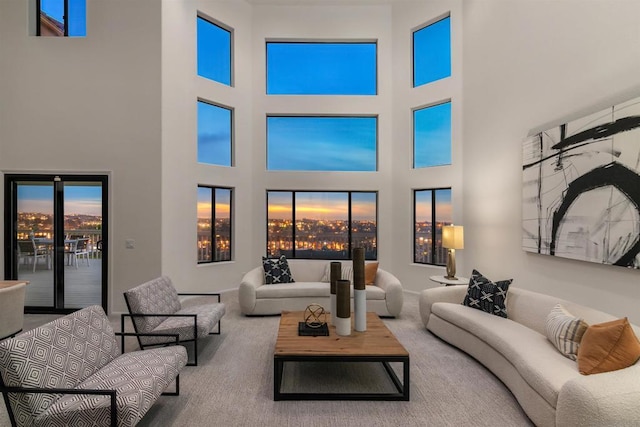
x: 547, y: 385
x: 385, y: 297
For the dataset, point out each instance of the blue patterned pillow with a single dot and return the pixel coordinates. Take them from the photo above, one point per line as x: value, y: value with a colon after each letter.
x: 276, y: 270
x: 486, y: 295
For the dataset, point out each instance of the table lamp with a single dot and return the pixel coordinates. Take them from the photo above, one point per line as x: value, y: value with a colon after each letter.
x: 452, y: 239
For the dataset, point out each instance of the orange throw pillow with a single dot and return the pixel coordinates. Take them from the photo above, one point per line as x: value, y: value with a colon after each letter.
x: 608, y: 347
x: 370, y: 270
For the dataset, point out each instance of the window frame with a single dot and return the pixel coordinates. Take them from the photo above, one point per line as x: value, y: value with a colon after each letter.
x: 415, y: 30
x: 208, y: 19
x: 231, y: 132
x: 320, y: 41
x: 65, y: 20
x: 212, y: 233
x: 349, y: 219
x: 413, y: 131
x: 434, y: 221
x: 330, y: 116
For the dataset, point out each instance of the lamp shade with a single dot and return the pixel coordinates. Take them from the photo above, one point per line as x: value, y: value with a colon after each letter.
x: 453, y: 237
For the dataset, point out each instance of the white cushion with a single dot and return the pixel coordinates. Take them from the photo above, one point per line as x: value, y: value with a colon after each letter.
x: 535, y: 358
x: 309, y: 289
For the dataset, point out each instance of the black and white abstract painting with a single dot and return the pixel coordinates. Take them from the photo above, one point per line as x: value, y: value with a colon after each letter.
x: 581, y: 188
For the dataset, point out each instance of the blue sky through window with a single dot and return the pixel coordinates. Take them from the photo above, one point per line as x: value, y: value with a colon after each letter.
x: 77, y: 14
x: 78, y: 198
x: 432, y: 136
x: 214, y: 52
x: 322, y: 143
x: 321, y: 68
x: 432, y: 52
x: 214, y: 134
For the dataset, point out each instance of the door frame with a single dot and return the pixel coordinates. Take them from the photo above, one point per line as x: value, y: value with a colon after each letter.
x: 10, y: 224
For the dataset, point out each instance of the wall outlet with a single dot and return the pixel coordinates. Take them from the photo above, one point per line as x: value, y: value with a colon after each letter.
x: 130, y: 243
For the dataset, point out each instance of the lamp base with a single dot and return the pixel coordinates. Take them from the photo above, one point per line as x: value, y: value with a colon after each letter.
x: 451, y: 265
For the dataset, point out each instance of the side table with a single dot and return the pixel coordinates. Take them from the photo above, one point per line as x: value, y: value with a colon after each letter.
x: 449, y: 282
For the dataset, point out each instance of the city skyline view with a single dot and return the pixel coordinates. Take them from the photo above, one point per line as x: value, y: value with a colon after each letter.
x: 79, y: 198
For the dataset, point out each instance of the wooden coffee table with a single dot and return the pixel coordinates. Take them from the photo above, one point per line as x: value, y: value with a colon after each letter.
x: 377, y: 344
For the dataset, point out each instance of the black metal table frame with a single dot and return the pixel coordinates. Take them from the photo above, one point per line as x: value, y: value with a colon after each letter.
x: 401, y: 387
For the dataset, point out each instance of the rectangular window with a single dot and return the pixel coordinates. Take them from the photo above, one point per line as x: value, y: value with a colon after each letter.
x: 319, y: 68
x: 214, y: 224
x: 61, y: 18
x: 214, y: 134
x: 432, y: 210
x: 214, y: 52
x: 432, y: 52
x: 432, y: 136
x: 322, y: 143
x: 321, y: 224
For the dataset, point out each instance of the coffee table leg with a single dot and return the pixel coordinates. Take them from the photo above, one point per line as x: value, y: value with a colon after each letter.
x: 278, y: 367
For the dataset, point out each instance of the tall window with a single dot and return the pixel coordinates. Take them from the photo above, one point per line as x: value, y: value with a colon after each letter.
x: 319, y: 68
x: 322, y: 143
x: 321, y: 224
x: 214, y: 134
x: 432, y: 210
x: 432, y: 52
x: 61, y: 18
x: 214, y: 52
x: 214, y: 224
x: 432, y: 135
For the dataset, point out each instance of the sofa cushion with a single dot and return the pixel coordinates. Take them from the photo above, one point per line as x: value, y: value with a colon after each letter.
x: 208, y: 316
x: 276, y: 270
x: 346, y: 272
x: 608, y: 347
x: 531, y: 353
x: 485, y: 295
x: 310, y: 289
x: 157, y: 296
x: 138, y: 377
x: 565, y: 331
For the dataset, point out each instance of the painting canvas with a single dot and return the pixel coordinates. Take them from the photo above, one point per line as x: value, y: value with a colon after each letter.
x: 581, y: 188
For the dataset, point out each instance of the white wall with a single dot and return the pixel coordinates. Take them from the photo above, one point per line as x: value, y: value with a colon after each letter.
x: 528, y: 63
x: 181, y: 174
x: 324, y: 22
x: 91, y: 105
x: 407, y: 17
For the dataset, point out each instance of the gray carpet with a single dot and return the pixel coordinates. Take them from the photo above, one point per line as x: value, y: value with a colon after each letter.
x: 233, y: 384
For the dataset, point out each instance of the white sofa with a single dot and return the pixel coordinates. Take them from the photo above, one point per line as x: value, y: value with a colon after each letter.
x: 256, y: 298
x: 547, y: 385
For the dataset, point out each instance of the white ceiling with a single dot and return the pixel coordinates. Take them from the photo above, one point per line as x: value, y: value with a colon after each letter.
x: 325, y: 2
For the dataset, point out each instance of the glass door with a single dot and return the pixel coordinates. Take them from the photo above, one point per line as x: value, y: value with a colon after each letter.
x: 55, y: 228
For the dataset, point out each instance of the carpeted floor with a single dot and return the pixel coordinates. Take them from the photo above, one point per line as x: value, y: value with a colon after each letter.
x: 233, y: 384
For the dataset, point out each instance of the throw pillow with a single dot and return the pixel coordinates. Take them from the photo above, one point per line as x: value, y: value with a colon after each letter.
x: 608, y: 347
x: 276, y: 270
x: 488, y: 296
x: 346, y: 273
x: 370, y: 271
x: 565, y: 331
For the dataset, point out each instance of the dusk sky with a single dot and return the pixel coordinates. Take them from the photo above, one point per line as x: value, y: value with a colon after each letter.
x: 77, y: 14
x: 78, y: 199
x: 223, y: 203
x: 443, y: 206
x: 214, y: 134
x: 432, y: 136
x: 322, y: 205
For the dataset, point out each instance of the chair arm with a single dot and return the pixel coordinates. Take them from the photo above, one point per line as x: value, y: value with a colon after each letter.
x: 195, y: 324
x: 609, y: 398
x: 251, y: 281
x: 140, y: 334
x: 452, y: 294
x: 110, y: 393
x: 394, y: 296
x: 200, y: 294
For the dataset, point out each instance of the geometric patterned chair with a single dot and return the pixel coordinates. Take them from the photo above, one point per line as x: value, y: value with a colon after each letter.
x: 155, y: 307
x: 70, y: 372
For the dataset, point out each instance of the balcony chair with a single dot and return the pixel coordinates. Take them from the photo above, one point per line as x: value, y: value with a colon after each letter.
x: 28, y: 249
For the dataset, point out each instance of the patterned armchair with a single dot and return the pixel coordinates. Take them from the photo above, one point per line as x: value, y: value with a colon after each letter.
x: 70, y: 372
x: 155, y: 307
